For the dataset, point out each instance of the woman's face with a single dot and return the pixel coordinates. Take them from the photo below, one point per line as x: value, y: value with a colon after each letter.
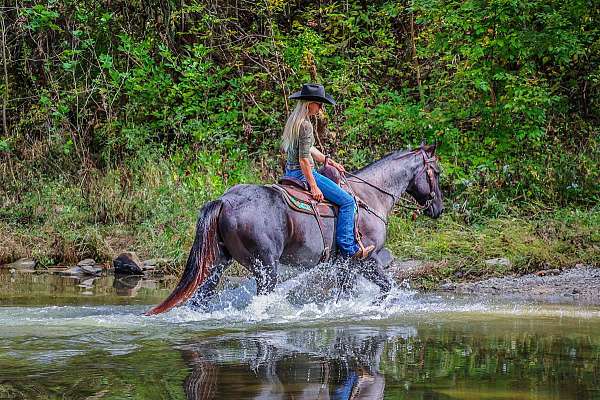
x: 314, y: 108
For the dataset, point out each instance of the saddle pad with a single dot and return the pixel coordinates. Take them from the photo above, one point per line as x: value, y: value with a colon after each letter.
x: 300, y: 200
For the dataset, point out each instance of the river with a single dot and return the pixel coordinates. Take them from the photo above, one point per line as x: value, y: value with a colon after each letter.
x: 66, y: 338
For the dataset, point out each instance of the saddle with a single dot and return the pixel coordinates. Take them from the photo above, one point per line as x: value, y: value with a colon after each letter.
x: 300, y: 199
x: 296, y: 194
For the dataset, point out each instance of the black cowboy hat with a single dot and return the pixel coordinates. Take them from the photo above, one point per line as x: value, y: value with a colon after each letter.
x: 313, y: 92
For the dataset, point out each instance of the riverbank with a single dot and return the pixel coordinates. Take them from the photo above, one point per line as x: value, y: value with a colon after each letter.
x: 579, y: 285
x: 450, y: 250
x: 120, y: 122
x: 430, y: 253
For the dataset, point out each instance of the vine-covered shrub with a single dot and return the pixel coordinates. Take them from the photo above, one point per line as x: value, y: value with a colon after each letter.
x: 510, y: 90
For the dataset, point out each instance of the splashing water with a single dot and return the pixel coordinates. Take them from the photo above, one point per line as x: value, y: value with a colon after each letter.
x: 306, y: 298
x: 302, y: 328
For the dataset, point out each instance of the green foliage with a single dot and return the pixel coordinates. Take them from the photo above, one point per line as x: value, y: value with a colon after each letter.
x: 101, y: 92
x: 39, y: 17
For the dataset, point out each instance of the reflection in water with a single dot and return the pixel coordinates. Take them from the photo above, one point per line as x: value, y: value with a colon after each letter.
x: 56, y: 289
x: 427, y: 357
x: 285, y: 347
x: 333, y: 363
x: 127, y: 285
x: 498, y: 361
x: 202, y: 382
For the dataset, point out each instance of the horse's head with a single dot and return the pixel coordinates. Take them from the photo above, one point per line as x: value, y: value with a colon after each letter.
x: 424, y: 186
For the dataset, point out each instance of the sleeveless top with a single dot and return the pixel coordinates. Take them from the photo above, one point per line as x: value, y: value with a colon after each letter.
x: 300, y: 148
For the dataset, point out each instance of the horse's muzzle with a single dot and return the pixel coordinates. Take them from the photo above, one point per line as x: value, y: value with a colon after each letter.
x: 434, y: 210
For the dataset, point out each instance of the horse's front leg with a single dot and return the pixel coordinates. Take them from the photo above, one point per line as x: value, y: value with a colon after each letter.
x: 346, y: 276
x: 374, y: 272
x: 383, y: 258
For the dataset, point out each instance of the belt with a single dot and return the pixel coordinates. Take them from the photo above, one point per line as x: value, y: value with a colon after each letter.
x: 293, y: 167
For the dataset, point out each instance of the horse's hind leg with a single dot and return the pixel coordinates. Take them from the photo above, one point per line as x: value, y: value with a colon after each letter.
x: 265, y: 274
x: 207, y: 289
x: 254, y: 227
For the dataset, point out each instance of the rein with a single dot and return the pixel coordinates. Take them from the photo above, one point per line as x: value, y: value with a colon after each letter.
x: 392, y: 195
x: 408, y: 204
x: 359, y: 201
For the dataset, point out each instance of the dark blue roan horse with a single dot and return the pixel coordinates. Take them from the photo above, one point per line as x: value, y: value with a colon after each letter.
x: 253, y: 225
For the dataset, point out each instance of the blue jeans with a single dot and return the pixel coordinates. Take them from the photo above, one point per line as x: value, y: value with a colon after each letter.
x: 344, y: 229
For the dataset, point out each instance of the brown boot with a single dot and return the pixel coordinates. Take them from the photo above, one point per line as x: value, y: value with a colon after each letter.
x: 363, y: 252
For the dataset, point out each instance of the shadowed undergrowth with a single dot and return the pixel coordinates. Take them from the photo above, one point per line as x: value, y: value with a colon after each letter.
x: 120, y: 121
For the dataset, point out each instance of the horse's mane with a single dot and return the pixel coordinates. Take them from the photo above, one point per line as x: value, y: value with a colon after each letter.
x: 384, y: 160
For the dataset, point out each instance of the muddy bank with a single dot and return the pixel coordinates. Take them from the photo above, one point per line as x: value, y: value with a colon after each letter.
x: 580, y: 285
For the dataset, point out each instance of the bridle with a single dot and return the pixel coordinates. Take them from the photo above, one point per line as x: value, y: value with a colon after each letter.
x: 429, y: 167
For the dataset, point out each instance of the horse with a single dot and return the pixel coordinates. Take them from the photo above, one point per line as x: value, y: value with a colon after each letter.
x: 253, y: 225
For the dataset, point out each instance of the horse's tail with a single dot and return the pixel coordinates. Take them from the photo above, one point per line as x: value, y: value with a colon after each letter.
x: 202, y: 256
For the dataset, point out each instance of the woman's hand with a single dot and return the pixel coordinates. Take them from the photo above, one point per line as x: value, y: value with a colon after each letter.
x: 337, y: 166
x: 316, y: 193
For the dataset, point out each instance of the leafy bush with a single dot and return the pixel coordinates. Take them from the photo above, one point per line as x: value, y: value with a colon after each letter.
x: 101, y: 92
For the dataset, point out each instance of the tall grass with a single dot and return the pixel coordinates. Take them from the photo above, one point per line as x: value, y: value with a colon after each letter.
x: 458, y: 250
x: 149, y: 207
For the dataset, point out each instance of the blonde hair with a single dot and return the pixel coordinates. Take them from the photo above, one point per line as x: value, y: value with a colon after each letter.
x: 292, y: 126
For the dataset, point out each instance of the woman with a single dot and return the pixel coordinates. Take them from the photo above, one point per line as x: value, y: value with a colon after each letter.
x: 298, y: 142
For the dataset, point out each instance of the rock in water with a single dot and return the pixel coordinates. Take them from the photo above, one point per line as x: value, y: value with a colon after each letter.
x: 72, y: 271
x: 79, y: 270
x: 22, y: 264
x: 128, y: 263
x: 91, y: 269
x: 87, y: 261
x: 156, y: 263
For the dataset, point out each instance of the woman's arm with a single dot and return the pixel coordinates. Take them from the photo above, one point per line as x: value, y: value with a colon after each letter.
x: 305, y: 138
x: 317, y: 155
x: 307, y: 171
x: 320, y: 157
